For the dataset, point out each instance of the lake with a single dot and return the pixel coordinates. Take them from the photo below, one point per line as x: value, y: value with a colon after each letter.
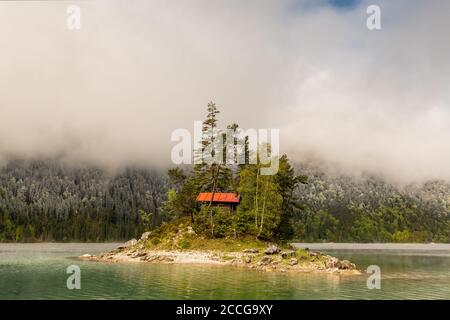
x: 38, y: 271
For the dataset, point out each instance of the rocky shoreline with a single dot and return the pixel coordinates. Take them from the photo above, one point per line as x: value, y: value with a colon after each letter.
x: 272, y: 258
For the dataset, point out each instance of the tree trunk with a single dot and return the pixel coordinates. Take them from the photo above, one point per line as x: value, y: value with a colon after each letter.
x: 263, y: 212
x: 155, y: 216
x: 256, y: 197
x: 212, y: 198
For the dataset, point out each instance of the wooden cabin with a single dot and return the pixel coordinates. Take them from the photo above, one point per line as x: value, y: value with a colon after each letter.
x: 220, y: 199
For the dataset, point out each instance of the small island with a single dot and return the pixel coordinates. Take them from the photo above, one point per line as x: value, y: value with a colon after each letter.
x: 178, y: 243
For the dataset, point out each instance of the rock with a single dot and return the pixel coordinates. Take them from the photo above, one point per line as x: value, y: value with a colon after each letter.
x: 346, y: 265
x: 190, y: 230
x: 166, y: 259
x: 293, y: 261
x: 145, y: 235
x: 331, y: 263
x: 250, y: 251
x: 247, y: 259
x: 129, y: 243
x: 335, y: 263
x: 288, y: 254
x: 265, y: 261
x: 140, y: 254
x: 272, y: 249
x: 86, y: 256
x: 314, y: 254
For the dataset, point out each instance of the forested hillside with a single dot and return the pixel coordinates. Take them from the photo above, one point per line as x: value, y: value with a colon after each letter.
x: 49, y: 201
x: 368, y: 209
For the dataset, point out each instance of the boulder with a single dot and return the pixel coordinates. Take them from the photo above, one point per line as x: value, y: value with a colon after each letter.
x: 130, y: 243
x: 166, y: 259
x: 250, y: 251
x: 331, y: 263
x: 293, y: 261
x: 288, y: 254
x: 140, y: 254
x: 265, y: 261
x: 145, y: 235
x: 247, y: 259
x: 346, y: 265
x: 272, y: 249
x: 314, y: 254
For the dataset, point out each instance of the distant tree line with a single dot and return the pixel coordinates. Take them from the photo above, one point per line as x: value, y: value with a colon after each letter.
x: 369, y: 209
x: 49, y: 201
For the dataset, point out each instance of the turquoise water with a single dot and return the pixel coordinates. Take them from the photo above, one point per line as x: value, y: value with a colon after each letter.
x: 38, y: 271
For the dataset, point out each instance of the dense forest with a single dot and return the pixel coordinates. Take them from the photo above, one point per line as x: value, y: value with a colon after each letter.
x: 47, y: 200
x: 369, y: 209
x: 52, y: 201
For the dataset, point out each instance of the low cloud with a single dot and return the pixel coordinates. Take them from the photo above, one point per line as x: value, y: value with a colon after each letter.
x: 111, y: 93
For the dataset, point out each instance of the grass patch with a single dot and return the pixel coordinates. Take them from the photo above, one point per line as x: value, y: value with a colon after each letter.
x: 176, y: 235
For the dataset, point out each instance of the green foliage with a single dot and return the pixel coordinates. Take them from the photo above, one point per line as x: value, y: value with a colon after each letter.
x: 319, y: 226
x: 401, y: 236
x: 184, y: 244
x: 48, y: 201
x: 260, y: 211
x: 146, y: 219
x: 370, y: 210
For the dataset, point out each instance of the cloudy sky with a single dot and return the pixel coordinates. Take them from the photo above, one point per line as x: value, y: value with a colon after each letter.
x: 111, y: 93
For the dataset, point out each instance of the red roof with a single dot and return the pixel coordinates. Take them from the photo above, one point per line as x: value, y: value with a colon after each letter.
x: 219, y: 197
